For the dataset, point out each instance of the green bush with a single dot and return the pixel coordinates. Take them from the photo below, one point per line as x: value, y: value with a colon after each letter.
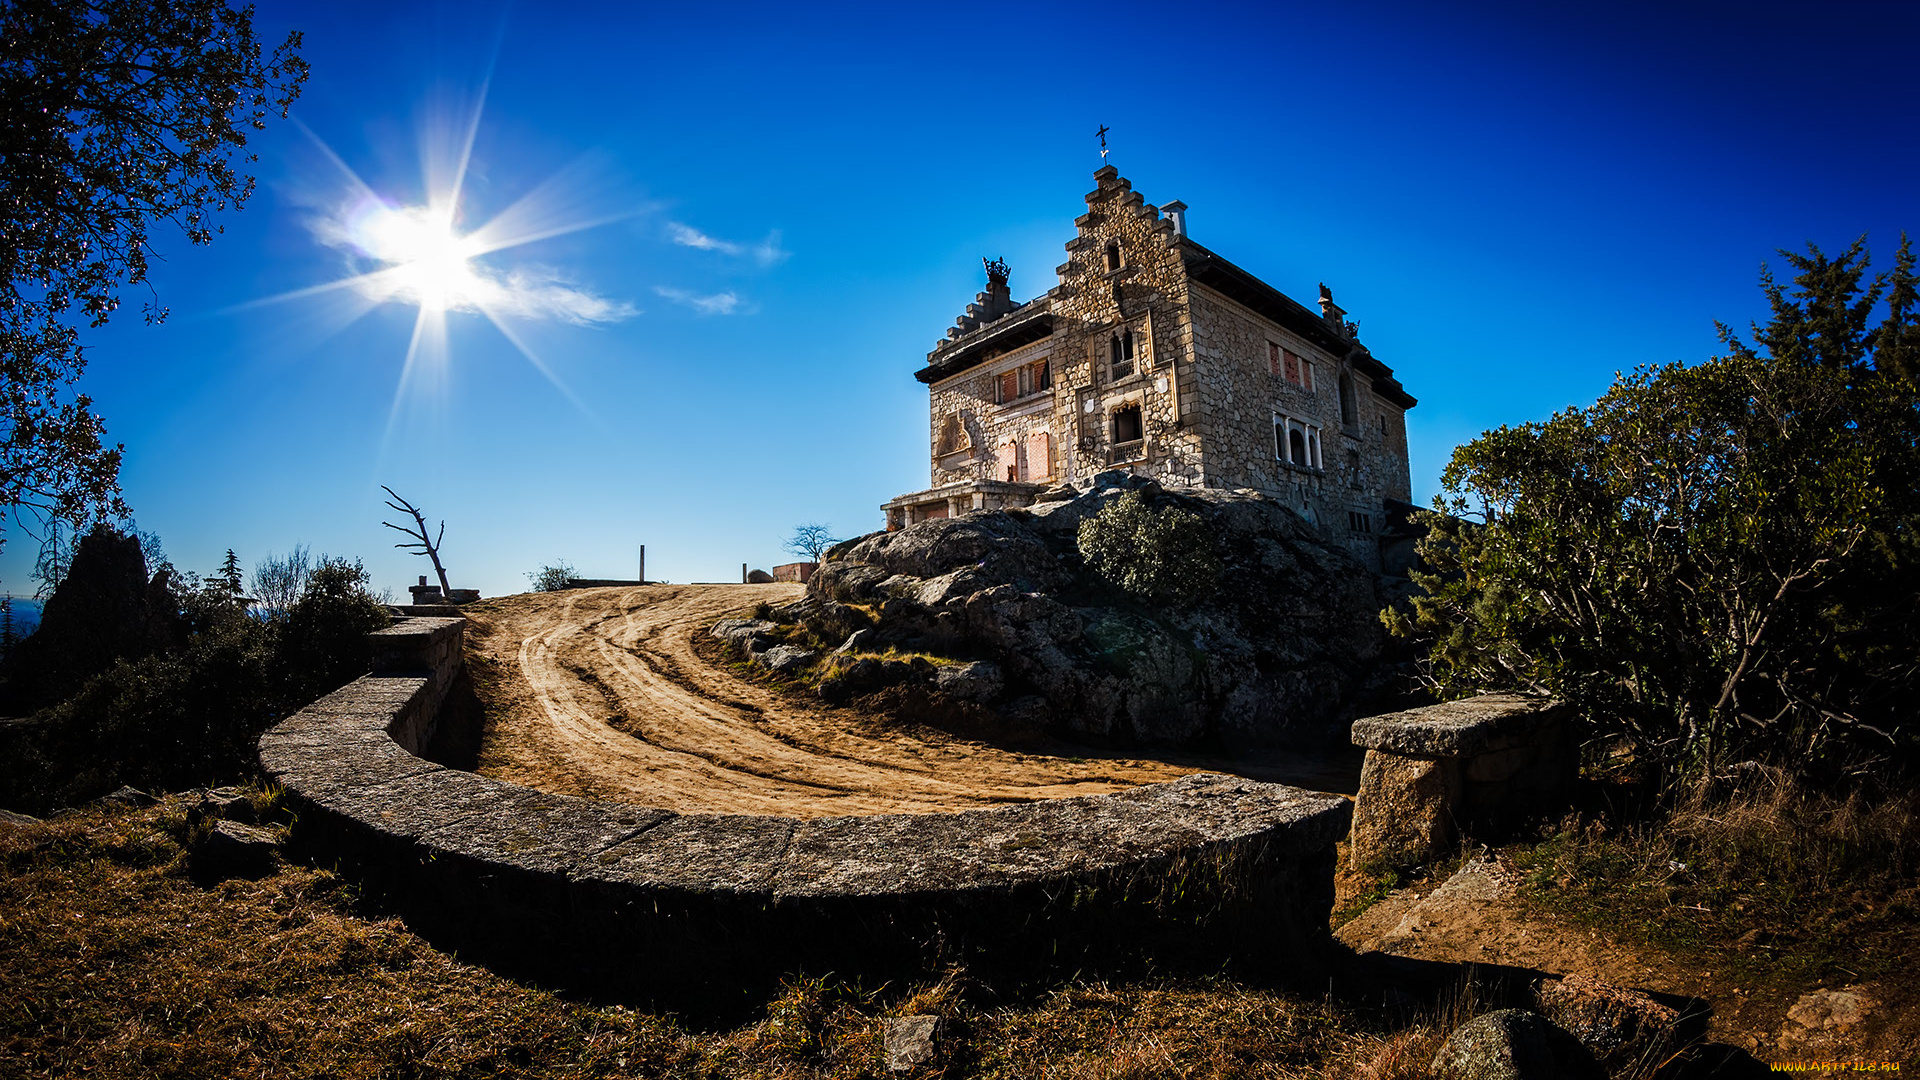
x: 1161, y: 555
x: 553, y: 577
x: 1717, y: 559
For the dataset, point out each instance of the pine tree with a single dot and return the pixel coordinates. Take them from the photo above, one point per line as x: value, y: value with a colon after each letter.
x: 8, y: 636
x: 229, y: 573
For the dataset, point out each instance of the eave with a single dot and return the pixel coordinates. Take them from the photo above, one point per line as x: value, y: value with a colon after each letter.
x: 1236, y: 284
x: 1030, y: 323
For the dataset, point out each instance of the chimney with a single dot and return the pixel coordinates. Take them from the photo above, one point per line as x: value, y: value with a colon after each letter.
x: 1176, y: 212
x: 998, y: 299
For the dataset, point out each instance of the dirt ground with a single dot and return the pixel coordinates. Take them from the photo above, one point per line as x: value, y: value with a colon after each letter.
x: 599, y: 692
x: 1477, y: 916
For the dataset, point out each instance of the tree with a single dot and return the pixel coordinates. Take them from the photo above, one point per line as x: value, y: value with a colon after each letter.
x: 553, y: 577
x: 810, y: 541
x: 114, y: 115
x: 323, y: 643
x: 279, y: 581
x: 1713, y: 559
x: 1162, y: 555
x: 429, y: 548
x: 228, y: 576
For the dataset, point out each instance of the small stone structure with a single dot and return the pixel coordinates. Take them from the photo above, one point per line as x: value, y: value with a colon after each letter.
x: 798, y: 572
x: 584, y: 892
x: 1433, y: 772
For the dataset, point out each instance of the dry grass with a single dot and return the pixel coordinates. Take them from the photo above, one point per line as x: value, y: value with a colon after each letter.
x: 1762, y: 877
x: 117, y: 965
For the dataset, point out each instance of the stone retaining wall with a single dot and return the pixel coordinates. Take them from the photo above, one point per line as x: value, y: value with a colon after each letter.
x: 690, y: 906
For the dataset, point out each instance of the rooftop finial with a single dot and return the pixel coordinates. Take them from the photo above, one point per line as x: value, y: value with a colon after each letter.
x: 1102, y: 133
x: 997, y: 270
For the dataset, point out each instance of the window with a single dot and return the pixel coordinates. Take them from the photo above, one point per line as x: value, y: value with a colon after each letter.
x: 1126, y: 425
x: 1359, y: 522
x: 1120, y: 356
x: 1353, y: 469
x: 952, y: 436
x: 1296, y: 442
x: 1024, y: 381
x: 1113, y: 256
x: 1040, y: 455
x: 1008, y: 462
x: 1349, y: 408
x: 1290, y: 366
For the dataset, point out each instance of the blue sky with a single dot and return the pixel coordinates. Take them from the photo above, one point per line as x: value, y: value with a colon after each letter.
x: 791, y: 204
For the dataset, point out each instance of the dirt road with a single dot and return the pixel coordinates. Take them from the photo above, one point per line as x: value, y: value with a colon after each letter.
x: 598, y: 692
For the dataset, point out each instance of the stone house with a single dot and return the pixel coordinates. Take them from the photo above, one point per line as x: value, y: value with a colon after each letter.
x: 1155, y: 355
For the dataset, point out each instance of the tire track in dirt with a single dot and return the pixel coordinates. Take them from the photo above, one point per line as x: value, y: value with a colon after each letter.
x: 598, y: 692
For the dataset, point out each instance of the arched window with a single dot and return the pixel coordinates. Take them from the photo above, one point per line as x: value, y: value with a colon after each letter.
x: 1297, y: 447
x: 1120, y: 350
x: 1349, y: 406
x: 1126, y: 424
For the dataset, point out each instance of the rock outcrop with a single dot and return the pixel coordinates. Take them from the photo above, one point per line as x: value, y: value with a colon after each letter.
x: 1283, y: 648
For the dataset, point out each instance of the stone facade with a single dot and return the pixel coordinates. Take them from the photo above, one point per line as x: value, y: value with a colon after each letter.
x: 1156, y: 356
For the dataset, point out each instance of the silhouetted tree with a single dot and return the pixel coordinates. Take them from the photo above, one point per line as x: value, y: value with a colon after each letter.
x: 114, y: 115
x: 810, y: 541
x: 429, y: 548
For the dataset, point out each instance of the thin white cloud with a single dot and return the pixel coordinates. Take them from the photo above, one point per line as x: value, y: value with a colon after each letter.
x: 726, y: 303
x: 391, y: 239
x: 688, y: 236
x: 767, y: 252
x: 544, y: 294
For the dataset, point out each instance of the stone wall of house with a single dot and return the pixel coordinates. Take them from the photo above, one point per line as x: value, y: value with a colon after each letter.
x: 1147, y: 295
x: 968, y: 405
x: 1202, y: 381
x: 1240, y: 398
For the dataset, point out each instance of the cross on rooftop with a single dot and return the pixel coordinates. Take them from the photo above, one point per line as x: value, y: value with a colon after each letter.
x: 1103, y: 142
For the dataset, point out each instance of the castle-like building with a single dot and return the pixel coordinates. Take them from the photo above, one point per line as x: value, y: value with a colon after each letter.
x: 1157, y: 356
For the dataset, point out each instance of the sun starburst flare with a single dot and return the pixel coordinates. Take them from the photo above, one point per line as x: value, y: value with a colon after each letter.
x: 419, y: 255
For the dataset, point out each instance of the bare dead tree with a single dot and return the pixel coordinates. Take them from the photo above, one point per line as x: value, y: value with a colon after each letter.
x: 429, y: 548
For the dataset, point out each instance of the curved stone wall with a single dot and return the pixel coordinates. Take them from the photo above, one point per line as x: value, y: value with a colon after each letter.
x: 594, y: 893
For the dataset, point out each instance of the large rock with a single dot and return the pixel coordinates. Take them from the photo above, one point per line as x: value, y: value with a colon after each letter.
x: 909, y: 1041
x: 786, y: 659
x: 1622, y: 1028
x: 231, y: 849
x: 1404, y: 812
x: 1282, y: 650
x: 1513, y: 1044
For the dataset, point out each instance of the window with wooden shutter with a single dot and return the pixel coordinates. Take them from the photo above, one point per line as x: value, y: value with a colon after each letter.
x: 1290, y: 365
x: 1009, y: 462
x: 1009, y: 386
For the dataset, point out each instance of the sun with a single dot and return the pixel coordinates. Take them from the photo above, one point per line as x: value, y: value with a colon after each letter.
x: 426, y: 260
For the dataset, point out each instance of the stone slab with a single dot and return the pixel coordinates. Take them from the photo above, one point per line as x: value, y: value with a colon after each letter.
x: 1457, y: 728
x: 730, y: 853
